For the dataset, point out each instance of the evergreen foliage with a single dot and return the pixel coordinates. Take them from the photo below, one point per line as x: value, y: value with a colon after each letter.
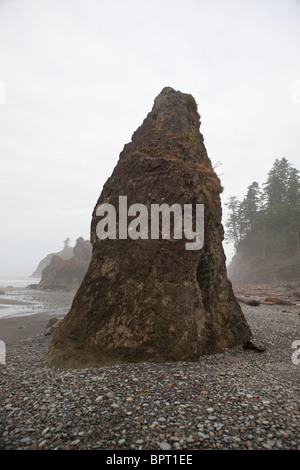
x: 265, y: 228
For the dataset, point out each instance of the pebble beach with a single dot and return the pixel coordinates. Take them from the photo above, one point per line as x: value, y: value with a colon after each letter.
x: 238, y: 400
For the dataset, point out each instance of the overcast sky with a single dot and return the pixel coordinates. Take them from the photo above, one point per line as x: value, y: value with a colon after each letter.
x: 77, y: 79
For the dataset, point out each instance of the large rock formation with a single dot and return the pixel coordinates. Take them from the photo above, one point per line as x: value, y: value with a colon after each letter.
x: 67, y: 274
x: 66, y: 253
x: 153, y: 299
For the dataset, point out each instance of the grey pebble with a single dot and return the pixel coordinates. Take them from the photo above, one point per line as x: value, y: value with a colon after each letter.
x: 164, y: 446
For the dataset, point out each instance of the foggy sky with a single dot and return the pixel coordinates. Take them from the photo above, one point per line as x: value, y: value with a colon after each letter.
x: 78, y: 78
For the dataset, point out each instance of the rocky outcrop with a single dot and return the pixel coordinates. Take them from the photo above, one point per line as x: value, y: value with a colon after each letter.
x: 67, y: 274
x: 151, y: 299
x: 66, y: 253
x: 51, y: 326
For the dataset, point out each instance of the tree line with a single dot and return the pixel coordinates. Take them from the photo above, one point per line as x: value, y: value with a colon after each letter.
x: 266, y: 223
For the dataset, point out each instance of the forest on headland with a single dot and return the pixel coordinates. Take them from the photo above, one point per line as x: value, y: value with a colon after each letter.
x: 265, y: 228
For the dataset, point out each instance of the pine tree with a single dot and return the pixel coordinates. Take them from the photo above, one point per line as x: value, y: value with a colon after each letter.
x: 250, y: 207
x: 293, y: 188
x: 277, y: 183
x: 234, y: 221
x: 265, y: 226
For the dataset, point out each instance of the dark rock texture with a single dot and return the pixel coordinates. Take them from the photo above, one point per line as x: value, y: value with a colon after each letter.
x: 67, y: 274
x: 153, y: 300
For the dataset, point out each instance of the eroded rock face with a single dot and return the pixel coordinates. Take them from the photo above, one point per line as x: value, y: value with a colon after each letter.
x: 153, y: 300
x: 67, y: 274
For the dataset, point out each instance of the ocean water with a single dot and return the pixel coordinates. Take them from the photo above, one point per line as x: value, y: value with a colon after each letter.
x: 17, y: 281
x: 17, y: 301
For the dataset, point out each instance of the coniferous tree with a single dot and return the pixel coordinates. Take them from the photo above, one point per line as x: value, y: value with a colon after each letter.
x: 293, y: 188
x: 250, y: 207
x: 276, y: 186
x: 233, y: 222
x: 265, y: 225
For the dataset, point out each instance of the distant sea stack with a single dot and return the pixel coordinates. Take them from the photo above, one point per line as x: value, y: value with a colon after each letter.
x: 153, y: 299
x: 67, y: 274
x: 66, y: 253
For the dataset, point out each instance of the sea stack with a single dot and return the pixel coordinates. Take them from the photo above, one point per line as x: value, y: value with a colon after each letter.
x: 152, y: 299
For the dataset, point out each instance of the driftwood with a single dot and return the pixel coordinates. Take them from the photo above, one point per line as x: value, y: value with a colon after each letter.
x: 248, y: 300
x: 277, y: 301
x: 269, y: 294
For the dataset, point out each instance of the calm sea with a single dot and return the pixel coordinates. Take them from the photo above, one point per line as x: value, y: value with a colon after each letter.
x: 9, y: 281
x: 16, y: 301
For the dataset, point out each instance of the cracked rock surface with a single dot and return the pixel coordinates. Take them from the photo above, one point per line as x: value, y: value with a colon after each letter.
x: 152, y: 299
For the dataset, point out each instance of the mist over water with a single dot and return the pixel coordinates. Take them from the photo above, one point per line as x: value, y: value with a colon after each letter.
x: 17, y: 281
x: 15, y: 299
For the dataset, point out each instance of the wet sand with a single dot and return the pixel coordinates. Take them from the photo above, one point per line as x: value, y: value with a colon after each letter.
x: 14, y: 329
x: 25, y: 312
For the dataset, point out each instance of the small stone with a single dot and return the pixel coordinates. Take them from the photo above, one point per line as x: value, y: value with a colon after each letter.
x: 25, y: 440
x: 74, y: 443
x: 268, y: 445
x: 164, y: 446
x: 42, y: 444
x: 203, y: 436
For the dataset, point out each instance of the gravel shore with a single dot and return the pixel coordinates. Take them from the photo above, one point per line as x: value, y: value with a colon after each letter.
x: 239, y: 400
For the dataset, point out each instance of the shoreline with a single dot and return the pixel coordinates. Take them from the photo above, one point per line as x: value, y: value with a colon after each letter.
x: 34, y: 308
x: 28, y: 312
x: 18, y: 328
